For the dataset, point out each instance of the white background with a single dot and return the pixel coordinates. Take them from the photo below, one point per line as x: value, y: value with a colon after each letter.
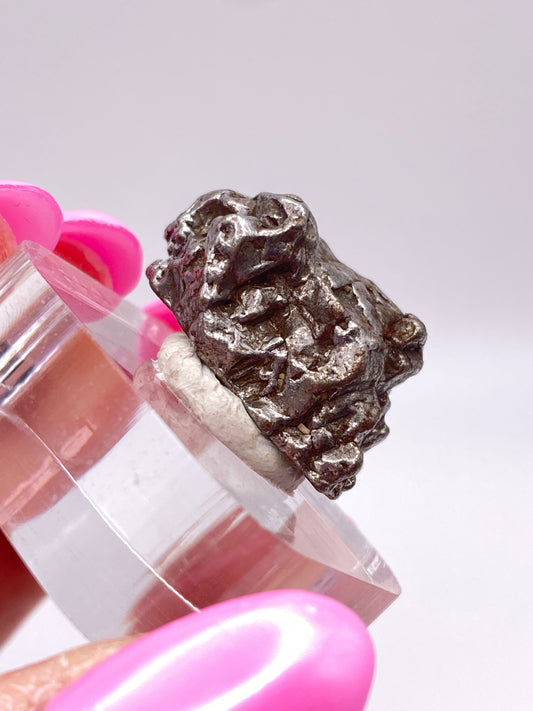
x: 406, y: 126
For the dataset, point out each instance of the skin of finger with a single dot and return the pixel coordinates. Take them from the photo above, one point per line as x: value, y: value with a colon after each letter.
x: 19, y: 591
x: 7, y: 241
x: 31, y: 688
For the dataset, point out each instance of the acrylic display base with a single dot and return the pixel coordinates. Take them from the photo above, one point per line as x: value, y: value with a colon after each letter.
x: 124, y: 506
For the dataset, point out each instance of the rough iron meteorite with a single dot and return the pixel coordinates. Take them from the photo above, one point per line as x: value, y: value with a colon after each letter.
x: 310, y: 347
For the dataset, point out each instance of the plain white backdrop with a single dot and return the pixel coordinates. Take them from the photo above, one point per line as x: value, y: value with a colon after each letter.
x: 406, y: 126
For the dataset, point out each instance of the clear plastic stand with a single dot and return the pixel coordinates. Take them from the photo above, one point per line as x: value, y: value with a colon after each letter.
x: 124, y: 506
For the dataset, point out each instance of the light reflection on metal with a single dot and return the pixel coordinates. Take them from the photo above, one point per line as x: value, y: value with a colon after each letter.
x: 310, y: 347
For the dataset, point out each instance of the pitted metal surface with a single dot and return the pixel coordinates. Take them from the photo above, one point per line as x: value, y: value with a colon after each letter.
x: 310, y: 347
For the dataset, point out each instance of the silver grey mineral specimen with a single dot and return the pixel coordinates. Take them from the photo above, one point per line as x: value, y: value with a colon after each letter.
x: 310, y: 347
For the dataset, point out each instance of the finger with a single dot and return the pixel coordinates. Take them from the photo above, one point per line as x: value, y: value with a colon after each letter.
x: 7, y: 240
x: 19, y: 592
x: 281, y: 649
x: 29, y: 689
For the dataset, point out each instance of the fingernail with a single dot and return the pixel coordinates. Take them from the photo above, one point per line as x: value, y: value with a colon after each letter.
x: 159, y: 310
x: 159, y: 323
x: 276, y: 650
x: 31, y: 213
x: 103, y: 247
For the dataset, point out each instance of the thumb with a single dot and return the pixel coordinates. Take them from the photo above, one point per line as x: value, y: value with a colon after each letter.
x: 30, y: 688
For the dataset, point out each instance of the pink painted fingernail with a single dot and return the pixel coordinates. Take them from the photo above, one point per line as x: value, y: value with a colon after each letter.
x: 31, y: 213
x: 276, y: 650
x: 102, y: 247
x: 160, y: 311
x: 160, y: 322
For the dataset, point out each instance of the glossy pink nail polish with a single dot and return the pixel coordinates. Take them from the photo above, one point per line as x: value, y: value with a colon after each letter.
x: 280, y: 650
x: 158, y: 310
x: 31, y: 213
x: 102, y: 247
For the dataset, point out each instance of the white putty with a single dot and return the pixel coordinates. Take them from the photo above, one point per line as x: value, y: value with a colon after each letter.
x: 221, y: 411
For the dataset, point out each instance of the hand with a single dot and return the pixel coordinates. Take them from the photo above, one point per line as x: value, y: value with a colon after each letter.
x: 29, y: 688
x: 276, y: 650
x: 282, y: 649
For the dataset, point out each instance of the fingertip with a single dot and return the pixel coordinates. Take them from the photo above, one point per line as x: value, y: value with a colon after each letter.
x: 157, y: 309
x: 7, y: 240
x: 31, y: 213
x: 117, y: 250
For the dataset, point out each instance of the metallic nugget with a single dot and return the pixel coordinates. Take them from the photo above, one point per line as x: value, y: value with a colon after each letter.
x: 310, y: 347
